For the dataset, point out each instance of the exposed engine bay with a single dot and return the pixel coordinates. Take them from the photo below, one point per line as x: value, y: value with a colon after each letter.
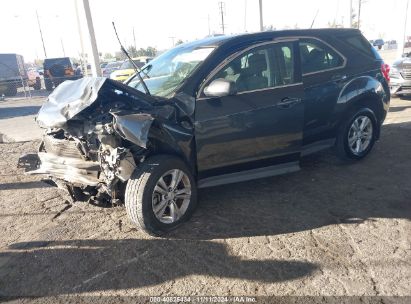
x: 97, y: 132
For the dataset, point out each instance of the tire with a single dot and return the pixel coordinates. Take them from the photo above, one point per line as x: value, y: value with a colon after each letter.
x: 37, y: 85
x: 343, y: 149
x: 48, y: 84
x: 140, y: 196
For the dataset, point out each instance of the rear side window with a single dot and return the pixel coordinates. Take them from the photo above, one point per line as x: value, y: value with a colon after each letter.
x: 317, y: 56
x: 361, y: 44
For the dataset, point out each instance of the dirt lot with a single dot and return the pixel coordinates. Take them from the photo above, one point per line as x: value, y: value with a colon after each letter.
x: 330, y: 229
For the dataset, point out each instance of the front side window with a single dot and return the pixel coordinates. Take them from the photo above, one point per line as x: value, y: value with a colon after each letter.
x: 260, y: 68
x: 164, y: 74
x: 317, y: 57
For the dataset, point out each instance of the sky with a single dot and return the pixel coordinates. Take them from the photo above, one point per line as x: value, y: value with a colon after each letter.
x: 155, y: 21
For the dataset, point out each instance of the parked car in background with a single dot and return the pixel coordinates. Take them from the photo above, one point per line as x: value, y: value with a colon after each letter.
x: 111, y: 67
x: 390, y: 45
x: 214, y: 111
x: 400, y: 76
x: 103, y: 64
x: 127, y: 68
x: 34, y: 78
x: 378, y: 43
x: 57, y: 70
x: 12, y: 74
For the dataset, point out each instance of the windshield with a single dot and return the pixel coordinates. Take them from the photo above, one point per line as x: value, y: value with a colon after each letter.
x: 165, y: 73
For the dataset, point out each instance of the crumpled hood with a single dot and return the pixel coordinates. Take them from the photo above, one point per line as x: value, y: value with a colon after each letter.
x: 69, y: 99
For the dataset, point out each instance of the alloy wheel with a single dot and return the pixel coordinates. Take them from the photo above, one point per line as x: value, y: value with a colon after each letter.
x: 360, y: 134
x: 171, y: 196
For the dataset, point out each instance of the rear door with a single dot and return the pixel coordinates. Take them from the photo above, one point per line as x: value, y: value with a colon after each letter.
x: 262, y: 124
x: 324, y: 76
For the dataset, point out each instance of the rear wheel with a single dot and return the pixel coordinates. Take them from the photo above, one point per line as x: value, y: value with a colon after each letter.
x: 161, y: 194
x: 357, y: 135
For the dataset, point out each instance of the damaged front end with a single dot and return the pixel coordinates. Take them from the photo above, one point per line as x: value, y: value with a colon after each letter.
x: 97, y: 132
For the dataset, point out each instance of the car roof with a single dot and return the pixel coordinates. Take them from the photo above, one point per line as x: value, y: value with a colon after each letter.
x: 215, y: 41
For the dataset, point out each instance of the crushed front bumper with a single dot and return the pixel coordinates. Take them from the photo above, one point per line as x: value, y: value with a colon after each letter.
x: 62, y: 159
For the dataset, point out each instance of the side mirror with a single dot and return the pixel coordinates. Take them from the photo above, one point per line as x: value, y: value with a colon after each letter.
x: 220, y: 87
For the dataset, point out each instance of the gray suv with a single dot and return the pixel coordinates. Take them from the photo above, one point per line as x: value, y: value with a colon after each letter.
x: 400, y: 76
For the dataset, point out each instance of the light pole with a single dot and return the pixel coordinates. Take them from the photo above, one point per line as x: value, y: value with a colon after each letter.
x: 261, y: 15
x: 95, y: 64
x: 41, y: 35
x: 401, y: 42
x: 80, y: 34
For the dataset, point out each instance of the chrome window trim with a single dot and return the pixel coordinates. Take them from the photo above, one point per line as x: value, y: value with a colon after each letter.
x: 234, y: 56
x: 258, y: 90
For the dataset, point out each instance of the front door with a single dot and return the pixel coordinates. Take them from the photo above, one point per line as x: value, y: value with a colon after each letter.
x: 262, y: 124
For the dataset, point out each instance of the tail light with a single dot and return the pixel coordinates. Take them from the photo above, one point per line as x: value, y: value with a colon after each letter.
x: 385, y: 70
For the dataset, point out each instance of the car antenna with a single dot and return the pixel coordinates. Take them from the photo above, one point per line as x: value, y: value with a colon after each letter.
x: 132, y: 62
x: 315, y: 17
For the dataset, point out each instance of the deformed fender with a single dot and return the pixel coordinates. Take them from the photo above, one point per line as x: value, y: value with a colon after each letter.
x: 133, y: 127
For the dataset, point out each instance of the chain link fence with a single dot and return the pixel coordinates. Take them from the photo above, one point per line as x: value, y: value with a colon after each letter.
x: 19, y: 80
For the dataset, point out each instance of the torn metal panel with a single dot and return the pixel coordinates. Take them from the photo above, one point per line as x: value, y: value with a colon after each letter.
x: 67, y: 100
x: 133, y: 127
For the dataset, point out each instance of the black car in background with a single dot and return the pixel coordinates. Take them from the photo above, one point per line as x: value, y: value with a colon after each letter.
x: 111, y: 67
x: 378, y: 43
x: 215, y: 111
x: 57, y: 70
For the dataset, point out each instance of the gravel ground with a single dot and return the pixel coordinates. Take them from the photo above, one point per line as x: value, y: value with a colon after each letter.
x: 331, y: 229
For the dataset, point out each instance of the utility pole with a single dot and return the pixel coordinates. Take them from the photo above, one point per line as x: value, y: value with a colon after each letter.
x: 222, y: 8
x: 62, y: 47
x: 41, y: 35
x: 209, y: 29
x: 245, y: 15
x: 95, y: 64
x: 401, y: 40
x: 359, y: 13
x: 134, y: 37
x: 261, y: 15
x: 80, y: 34
x: 350, y: 15
x: 172, y: 39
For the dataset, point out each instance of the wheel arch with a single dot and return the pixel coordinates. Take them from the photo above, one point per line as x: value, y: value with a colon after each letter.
x: 363, y: 92
x: 173, y: 140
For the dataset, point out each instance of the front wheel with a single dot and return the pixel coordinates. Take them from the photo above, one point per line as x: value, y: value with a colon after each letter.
x: 161, y: 194
x: 357, y: 135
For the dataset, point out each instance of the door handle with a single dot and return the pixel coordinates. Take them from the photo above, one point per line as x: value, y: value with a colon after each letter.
x: 288, y: 102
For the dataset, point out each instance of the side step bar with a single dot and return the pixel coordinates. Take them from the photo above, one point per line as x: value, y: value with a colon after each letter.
x: 249, y: 175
